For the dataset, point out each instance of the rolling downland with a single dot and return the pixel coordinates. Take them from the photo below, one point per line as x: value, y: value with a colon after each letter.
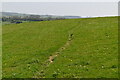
x: 70, y: 48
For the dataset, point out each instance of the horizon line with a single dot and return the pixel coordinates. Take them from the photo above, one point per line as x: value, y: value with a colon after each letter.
x: 55, y: 14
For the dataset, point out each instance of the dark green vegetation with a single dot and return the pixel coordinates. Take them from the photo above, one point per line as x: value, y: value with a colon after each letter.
x: 10, y: 17
x: 92, y: 53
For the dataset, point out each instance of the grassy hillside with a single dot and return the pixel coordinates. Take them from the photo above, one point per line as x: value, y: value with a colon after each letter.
x: 91, y: 53
x: 0, y: 50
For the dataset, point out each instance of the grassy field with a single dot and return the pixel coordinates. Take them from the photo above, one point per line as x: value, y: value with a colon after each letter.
x: 91, y: 53
x: 0, y: 50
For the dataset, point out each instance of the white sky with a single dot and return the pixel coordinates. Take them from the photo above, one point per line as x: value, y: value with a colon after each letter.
x: 60, y: 0
x: 63, y: 7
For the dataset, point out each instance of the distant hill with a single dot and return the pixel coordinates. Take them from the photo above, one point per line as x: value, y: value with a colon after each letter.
x: 7, y: 14
x: 12, y: 14
x: 72, y: 17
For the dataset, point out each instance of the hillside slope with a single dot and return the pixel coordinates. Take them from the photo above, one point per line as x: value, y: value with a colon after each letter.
x: 92, y: 51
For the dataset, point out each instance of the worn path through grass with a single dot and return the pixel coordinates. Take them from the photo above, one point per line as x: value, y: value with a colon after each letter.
x: 56, y: 54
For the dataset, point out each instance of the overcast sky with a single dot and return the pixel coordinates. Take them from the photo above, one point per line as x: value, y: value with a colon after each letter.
x: 60, y: 0
x: 63, y: 8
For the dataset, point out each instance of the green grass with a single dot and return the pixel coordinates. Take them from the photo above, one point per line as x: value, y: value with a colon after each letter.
x: 93, y: 52
x: 8, y: 22
x: 5, y: 23
x: 0, y: 50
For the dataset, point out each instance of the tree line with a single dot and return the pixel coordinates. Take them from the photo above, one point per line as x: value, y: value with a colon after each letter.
x: 20, y: 19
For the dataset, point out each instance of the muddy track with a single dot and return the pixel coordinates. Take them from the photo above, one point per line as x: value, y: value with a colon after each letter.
x: 55, y: 55
x: 60, y: 50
